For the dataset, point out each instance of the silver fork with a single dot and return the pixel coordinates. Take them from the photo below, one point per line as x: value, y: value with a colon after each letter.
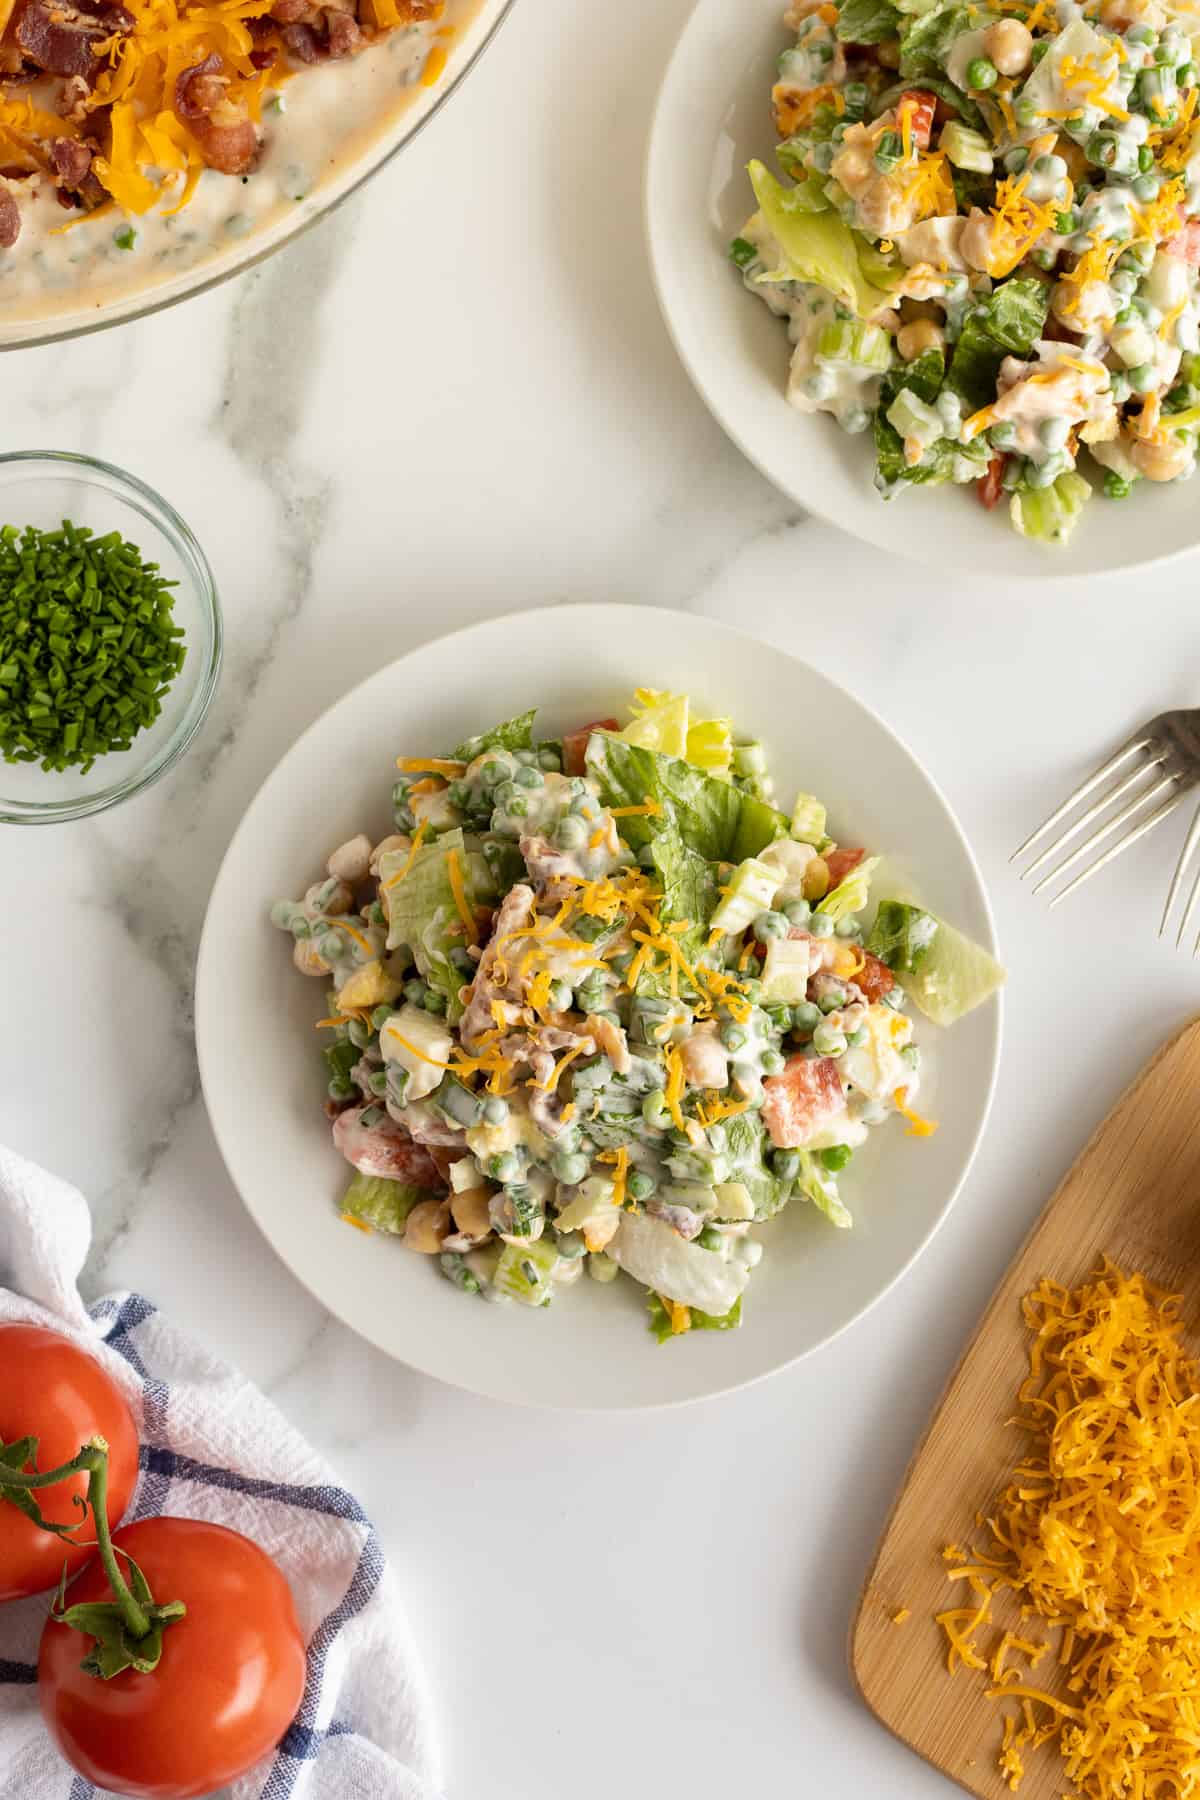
x: 1165, y: 759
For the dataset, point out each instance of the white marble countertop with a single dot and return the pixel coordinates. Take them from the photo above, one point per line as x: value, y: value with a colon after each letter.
x: 456, y: 398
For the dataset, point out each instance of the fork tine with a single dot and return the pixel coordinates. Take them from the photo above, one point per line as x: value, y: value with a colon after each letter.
x: 1125, y: 843
x: 1093, y: 812
x: 1135, y: 743
x: 1185, y: 857
x: 1098, y: 836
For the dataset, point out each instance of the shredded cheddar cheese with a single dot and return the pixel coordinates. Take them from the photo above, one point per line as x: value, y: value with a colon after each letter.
x: 917, y: 1126
x: 1097, y: 1535
x: 432, y: 765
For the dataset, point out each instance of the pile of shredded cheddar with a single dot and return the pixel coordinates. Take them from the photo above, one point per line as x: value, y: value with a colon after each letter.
x: 1097, y: 1536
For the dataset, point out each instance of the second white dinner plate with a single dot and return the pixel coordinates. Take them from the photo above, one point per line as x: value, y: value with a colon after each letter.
x: 264, y: 1079
x: 713, y: 116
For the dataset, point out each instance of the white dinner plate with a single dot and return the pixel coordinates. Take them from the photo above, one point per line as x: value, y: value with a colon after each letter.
x: 264, y: 1080
x: 713, y: 116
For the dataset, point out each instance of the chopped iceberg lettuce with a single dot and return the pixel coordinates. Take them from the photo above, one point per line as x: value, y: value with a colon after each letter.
x: 786, y: 971
x: 946, y: 974
x: 423, y: 910
x: 525, y: 1271
x: 649, y: 1250
x: 816, y: 247
x: 664, y: 722
x: 815, y: 1183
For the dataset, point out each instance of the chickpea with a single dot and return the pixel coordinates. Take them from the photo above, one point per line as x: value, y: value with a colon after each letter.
x: 912, y: 340
x: 1160, y: 461
x: 351, y: 860
x: 705, y: 1059
x: 306, y: 959
x: 428, y: 1223
x: 471, y: 1210
x: 1009, y: 45
x: 815, y: 884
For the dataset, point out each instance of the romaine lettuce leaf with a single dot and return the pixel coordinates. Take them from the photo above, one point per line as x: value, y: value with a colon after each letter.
x: 1015, y: 312
x: 817, y: 247
x: 925, y: 44
x: 715, y: 819
x: 660, y: 1319
x: 746, y: 1148
x: 901, y: 935
x: 1050, y: 514
x: 867, y: 21
x: 922, y: 377
x: 665, y: 722
x: 424, y: 914
x: 689, y: 888
x: 513, y: 734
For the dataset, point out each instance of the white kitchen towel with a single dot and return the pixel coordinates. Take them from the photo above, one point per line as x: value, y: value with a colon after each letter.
x: 214, y: 1448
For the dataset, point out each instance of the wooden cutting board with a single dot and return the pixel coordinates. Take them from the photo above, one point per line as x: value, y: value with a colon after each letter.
x: 1134, y: 1195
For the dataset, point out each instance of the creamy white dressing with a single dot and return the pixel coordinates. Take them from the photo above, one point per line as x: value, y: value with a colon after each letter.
x: 323, y: 119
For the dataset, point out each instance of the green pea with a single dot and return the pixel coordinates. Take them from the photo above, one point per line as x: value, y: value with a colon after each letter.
x: 837, y: 1157
x: 495, y: 1110
x: 772, y: 1062
x: 753, y: 969
x: 805, y: 1017
x: 832, y: 999
x: 415, y: 992
x: 435, y: 1003
x: 981, y: 73
x: 570, y: 833
x: 848, y: 928
x: 733, y: 1037
x: 461, y: 960
x: 1142, y: 378
x: 380, y: 1017
x: 770, y: 925
x: 493, y: 773
x: 780, y: 1017
x: 829, y: 1040
x: 785, y: 1164
x: 549, y: 759
x: 301, y: 928
x: 1115, y: 486
x: 571, y: 1169
x: 711, y: 1239
x: 341, y: 1089
x: 377, y: 1081
x: 641, y: 1185
x: 797, y: 912
x: 504, y: 1167
x: 822, y: 925
x: 359, y: 1034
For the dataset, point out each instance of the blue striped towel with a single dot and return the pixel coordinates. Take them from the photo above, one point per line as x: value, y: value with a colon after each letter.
x: 214, y: 1448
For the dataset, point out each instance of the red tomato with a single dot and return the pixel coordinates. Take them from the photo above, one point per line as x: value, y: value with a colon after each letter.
x: 52, y: 1390
x: 801, y: 1101
x: 227, y: 1686
x: 874, y: 978
x: 990, y: 487
x: 575, y: 743
x: 919, y: 105
x: 840, y: 862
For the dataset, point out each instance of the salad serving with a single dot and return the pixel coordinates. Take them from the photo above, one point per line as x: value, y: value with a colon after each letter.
x: 598, y: 1003
x: 986, y: 241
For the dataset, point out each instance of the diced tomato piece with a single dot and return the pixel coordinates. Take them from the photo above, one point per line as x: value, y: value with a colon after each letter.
x: 839, y: 863
x: 576, y: 742
x: 1185, y: 243
x: 990, y: 487
x: 875, y: 979
x: 385, y: 1149
x: 802, y: 1101
x: 919, y: 104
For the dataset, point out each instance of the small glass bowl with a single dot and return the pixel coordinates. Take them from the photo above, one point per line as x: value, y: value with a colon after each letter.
x: 44, y: 487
